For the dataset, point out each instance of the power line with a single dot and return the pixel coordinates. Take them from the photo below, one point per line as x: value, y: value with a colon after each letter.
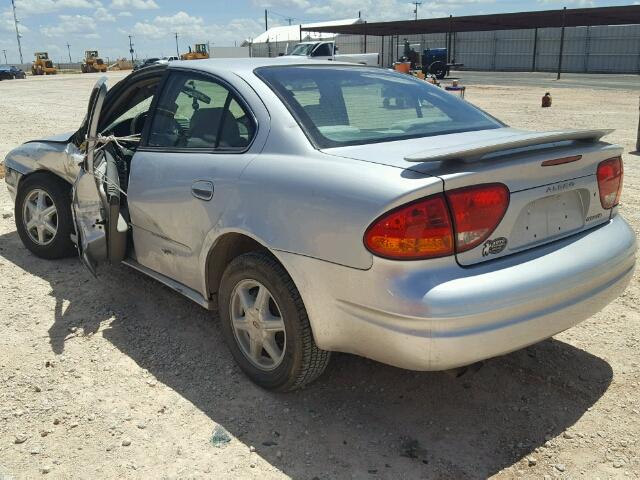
x: 69, y: 50
x: 15, y: 21
x: 288, y: 18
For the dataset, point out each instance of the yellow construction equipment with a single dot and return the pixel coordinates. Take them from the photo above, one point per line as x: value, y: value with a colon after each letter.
x: 200, y: 52
x: 92, y: 62
x: 42, y: 65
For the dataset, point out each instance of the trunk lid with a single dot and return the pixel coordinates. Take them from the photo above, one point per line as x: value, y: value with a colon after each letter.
x: 551, y: 177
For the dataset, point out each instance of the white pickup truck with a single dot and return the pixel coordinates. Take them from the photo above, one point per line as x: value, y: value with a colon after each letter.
x: 327, y: 50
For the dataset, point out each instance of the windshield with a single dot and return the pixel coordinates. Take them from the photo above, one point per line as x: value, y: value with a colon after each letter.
x: 302, y: 49
x: 340, y: 106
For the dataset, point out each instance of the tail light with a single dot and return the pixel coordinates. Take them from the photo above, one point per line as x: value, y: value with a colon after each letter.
x: 610, y: 173
x: 425, y: 229
x: 477, y: 211
x: 418, y: 230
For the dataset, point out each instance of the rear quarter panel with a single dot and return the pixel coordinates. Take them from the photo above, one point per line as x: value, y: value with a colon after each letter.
x: 319, y: 205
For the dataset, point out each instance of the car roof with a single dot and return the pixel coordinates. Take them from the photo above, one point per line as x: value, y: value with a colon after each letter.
x: 248, y: 65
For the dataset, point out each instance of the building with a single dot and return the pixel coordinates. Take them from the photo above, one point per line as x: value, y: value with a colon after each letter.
x: 586, y: 40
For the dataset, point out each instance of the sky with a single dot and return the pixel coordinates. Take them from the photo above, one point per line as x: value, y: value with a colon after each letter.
x: 48, y: 25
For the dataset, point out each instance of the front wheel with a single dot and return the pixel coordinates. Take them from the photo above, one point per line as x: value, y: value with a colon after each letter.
x: 265, y: 324
x: 43, y: 216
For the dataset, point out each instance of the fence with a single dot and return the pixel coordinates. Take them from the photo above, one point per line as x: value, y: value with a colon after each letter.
x: 598, y: 49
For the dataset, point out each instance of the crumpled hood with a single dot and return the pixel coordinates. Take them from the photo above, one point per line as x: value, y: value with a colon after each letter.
x: 59, y: 138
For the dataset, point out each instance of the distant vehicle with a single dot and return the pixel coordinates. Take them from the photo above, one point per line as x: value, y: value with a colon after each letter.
x: 328, y: 51
x: 42, y: 65
x: 92, y: 62
x: 200, y: 52
x: 316, y: 217
x: 145, y: 63
x: 9, y: 72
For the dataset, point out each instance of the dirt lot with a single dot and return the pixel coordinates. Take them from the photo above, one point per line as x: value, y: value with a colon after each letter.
x: 121, y: 378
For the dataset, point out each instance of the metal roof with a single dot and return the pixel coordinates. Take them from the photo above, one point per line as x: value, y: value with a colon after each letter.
x: 573, y: 17
x: 292, y: 32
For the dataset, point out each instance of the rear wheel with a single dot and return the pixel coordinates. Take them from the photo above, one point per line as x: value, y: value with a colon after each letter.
x: 43, y: 216
x: 439, y: 69
x: 265, y: 324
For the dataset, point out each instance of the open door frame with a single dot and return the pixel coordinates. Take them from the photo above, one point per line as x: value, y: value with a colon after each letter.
x: 101, y: 232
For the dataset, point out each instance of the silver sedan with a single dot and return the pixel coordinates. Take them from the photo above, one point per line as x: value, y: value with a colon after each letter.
x: 323, y: 207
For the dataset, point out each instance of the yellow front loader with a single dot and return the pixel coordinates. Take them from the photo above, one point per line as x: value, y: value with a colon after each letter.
x: 42, y: 65
x: 92, y: 62
x: 200, y: 52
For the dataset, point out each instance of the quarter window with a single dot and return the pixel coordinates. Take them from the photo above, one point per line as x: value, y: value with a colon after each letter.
x: 197, y: 112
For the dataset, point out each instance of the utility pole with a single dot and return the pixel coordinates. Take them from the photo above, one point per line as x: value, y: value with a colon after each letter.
x: 15, y: 21
x: 177, y: 48
x: 564, y: 21
x: 69, y: 50
x: 266, y: 23
x: 5, y: 56
x: 415, y: 10
x: 131, y: 49
x: 638, y: 140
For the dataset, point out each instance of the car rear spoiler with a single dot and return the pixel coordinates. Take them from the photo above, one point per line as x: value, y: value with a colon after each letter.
x: 516, y: 139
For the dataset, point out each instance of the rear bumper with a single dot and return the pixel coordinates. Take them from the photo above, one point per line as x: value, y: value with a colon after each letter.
x: 435, y: 315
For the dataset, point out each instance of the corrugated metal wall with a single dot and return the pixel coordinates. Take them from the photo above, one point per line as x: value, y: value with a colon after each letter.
x: 601, y: 49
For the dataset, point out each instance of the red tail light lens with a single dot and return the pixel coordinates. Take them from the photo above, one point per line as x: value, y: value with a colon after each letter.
x: 477, y: 211
x: 610, y: 173
x: 419, y: 230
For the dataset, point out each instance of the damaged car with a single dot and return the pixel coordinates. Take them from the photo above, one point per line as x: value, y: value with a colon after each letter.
x: 323, y: 207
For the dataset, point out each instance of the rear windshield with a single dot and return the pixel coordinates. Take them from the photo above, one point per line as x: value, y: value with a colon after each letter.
x: 341, y: 106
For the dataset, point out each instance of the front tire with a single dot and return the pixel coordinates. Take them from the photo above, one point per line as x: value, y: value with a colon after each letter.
x: 265, y: 324
x: 43, y: 216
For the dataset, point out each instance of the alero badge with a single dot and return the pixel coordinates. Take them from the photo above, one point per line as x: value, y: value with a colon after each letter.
x: 493, y: 247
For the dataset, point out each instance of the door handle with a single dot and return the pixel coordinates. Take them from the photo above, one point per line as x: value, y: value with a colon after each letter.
x: 202, y: 189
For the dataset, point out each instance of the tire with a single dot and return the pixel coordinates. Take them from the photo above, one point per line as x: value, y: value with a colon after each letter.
x: 302, y: 361
x: 438, y: 69
x: 58, y: 245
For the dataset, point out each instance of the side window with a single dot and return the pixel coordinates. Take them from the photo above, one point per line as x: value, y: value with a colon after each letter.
x: 323, y: 50
x: 197, y: 112
x: 132, y: 114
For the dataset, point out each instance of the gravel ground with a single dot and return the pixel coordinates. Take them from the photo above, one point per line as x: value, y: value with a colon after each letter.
x: 120, y: 377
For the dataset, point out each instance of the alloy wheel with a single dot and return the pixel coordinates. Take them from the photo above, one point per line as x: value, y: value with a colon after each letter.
x: 258, y: 326
x: 40, y: 217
